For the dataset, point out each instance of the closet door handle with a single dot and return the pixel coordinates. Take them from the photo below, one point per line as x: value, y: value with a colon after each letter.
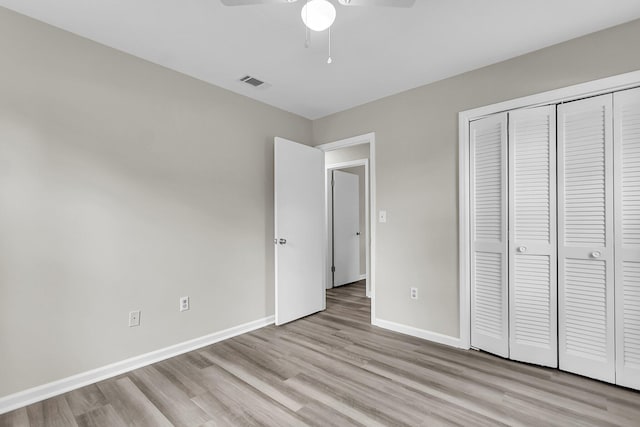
x: 522, y: 249
x: 595, y: 254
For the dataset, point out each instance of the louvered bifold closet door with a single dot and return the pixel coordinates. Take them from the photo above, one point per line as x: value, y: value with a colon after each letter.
x: 489, y: 303
x: 585, y: 238
x: 627, y: 207
x: 533, y: 321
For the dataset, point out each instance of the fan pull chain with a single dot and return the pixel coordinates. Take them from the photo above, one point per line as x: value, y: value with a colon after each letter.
x: 307, y: 40
x: 329, y: 60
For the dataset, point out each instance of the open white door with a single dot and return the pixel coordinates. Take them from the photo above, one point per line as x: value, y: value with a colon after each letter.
x: 299, y: 230
x: 346, y: 228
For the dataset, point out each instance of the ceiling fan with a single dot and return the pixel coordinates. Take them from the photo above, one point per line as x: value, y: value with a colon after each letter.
x: 319, y: 15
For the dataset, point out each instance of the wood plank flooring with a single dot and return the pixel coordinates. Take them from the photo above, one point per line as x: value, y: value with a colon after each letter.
x: 334, y: 368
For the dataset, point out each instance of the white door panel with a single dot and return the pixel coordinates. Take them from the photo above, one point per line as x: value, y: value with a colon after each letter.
x: 299, y: 230
x: 346, y: 228
x: 489, y: 293
x: 585, y: 238
x: 627, y: 208
x: 533, y: 323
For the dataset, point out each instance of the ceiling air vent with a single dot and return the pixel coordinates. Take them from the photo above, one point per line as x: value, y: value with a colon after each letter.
x: 252, y: 81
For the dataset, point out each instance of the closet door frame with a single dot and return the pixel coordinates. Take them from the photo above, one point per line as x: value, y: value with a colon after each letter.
x: 557, y: 96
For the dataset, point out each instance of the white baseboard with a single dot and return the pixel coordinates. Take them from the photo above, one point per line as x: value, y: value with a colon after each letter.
x: 45, y: 391
x: 420, y: 333
x: 363, y: 276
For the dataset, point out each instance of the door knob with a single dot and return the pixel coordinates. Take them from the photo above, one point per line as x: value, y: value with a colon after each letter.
x: 595, y: 254
x: 522, y: 249
x: 358, y: 233
x: 282, y: 241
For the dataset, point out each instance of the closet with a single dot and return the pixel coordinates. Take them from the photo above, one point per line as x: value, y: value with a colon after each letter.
x: 555, y: 236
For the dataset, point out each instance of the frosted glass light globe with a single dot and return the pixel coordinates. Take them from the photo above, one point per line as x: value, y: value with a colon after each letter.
x: 318, y: 15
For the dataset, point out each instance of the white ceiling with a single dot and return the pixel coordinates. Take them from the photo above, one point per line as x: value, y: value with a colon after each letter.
x: 376, y: 51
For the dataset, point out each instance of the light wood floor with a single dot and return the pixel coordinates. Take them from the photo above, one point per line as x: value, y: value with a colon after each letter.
x: 334, y: 368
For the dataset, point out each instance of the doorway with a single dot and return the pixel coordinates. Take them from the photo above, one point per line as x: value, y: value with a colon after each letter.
x: 300, y: 237
x: 357, y: 152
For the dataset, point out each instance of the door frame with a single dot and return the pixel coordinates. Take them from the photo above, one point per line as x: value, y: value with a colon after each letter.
x: 368, y: 138
x: 556, y: 96
x: 344, y: 165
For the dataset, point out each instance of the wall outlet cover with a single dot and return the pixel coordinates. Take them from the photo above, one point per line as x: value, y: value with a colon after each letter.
x: 184, y: 303
x: 134, y: 318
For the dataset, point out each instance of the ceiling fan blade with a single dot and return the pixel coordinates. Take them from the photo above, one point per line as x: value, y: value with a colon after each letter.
x: 384, y: 3
x: 252, y: 2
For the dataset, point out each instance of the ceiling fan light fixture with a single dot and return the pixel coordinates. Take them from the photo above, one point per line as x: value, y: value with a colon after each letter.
x: 318, y: 15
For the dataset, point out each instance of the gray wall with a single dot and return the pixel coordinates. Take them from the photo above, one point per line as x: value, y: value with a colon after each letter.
x: 417, y: 158
x: 124, y: 186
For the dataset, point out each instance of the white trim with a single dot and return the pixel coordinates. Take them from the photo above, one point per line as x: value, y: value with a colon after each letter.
x: 369, y: 138
x: 464, y: 244
x: 344, y: 165
x: 420, y: 333
x: 45, y: 391
x: 556, y: 96
x: 348, y: 142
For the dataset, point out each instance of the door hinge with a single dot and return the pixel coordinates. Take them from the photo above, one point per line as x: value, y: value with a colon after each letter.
x: 333, y: 182
x: 333, y: 268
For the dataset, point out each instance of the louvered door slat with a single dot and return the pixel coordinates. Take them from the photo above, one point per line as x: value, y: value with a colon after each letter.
x: 489, y: 323
x: 532, y: 245
x: 627, y: 213
x: 585, y: 238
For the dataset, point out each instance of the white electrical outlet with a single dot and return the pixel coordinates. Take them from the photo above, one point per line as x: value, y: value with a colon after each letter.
x: 414, y: 293
x: 134, y: 318
x: 184, y: 303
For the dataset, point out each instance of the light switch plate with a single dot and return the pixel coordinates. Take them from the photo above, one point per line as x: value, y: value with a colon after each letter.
x: 382, y: 216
